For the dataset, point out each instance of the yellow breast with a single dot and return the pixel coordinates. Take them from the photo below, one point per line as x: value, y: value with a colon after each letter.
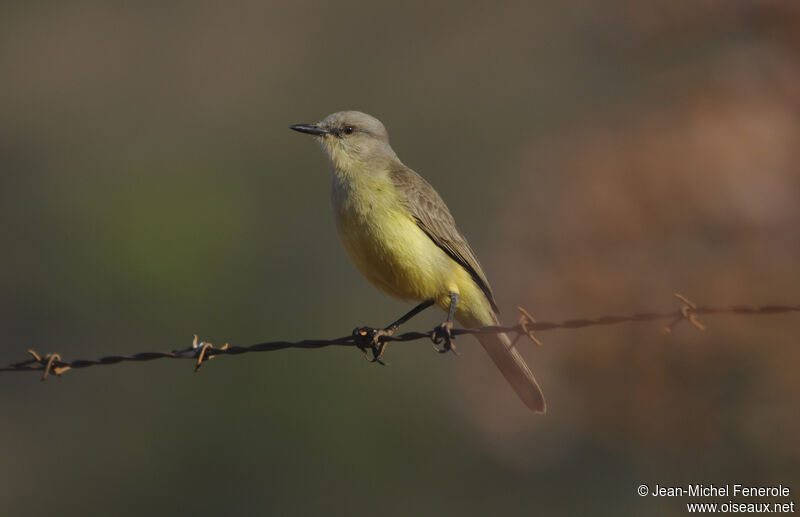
x: 385, y: 243
x: 389, y: 248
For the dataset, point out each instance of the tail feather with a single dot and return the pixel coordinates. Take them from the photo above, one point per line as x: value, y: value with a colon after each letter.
x: 513, y: 367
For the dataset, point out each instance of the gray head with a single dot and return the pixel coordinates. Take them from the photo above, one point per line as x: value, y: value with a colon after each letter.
x: 350, y: 138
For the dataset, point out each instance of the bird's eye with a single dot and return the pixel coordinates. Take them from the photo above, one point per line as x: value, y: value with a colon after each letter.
x: 348, y: 130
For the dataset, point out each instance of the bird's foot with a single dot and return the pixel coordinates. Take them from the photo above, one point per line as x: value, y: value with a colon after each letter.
x: 370, y: 338
x: 443, y: 335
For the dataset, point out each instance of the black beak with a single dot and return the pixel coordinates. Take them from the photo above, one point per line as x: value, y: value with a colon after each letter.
x: 311, y: 129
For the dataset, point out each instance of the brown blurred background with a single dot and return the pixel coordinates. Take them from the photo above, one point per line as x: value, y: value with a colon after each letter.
x: 599, y: 156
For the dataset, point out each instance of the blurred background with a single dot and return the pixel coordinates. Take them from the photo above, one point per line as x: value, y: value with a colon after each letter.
x: 599, y: 156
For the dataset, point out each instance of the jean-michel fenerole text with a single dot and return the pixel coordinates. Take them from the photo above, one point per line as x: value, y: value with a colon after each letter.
x: 727, y: 490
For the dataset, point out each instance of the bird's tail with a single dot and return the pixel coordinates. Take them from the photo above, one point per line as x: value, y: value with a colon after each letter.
x: 510, y: 363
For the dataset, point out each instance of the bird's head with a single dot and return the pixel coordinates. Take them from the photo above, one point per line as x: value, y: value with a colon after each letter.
x: 351, y: 138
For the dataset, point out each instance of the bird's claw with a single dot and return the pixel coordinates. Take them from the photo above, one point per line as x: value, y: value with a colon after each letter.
x: 370, y: 338
x: 443, y: 335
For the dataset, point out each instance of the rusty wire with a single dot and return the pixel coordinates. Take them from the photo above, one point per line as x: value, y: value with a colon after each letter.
x: 203, y: 351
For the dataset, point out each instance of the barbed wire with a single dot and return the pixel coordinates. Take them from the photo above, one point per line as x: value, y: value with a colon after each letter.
x: 374, y: 340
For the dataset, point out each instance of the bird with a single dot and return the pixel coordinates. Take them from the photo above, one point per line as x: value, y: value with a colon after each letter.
x: 401, y: 236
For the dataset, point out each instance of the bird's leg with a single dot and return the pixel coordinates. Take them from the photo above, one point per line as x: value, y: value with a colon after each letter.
x: 413, y: 312
x: 372, y: 335
x: 442, y: 333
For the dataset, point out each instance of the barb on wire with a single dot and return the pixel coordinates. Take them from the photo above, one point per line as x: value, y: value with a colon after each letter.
x: 688, y: 312
x: 202, y: 351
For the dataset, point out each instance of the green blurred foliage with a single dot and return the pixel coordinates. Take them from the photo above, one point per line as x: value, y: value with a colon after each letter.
x: 598, y: 155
